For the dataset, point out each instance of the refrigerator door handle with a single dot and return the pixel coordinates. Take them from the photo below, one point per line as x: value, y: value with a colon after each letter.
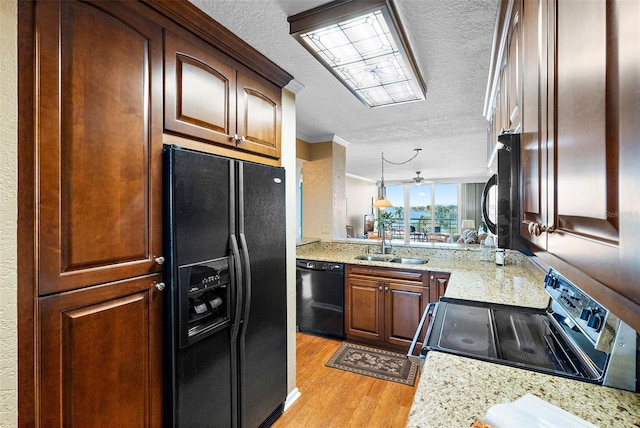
x: 247, y: 283
x: 235, y: 327
x: 237, y: 285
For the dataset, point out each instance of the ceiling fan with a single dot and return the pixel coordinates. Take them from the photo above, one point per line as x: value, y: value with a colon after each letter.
x: 418, y: 179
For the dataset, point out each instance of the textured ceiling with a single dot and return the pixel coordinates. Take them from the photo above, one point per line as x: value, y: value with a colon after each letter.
x: 451, y: 40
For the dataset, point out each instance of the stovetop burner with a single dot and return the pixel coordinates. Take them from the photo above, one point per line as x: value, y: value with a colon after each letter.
x: 465, y: 341
x: 524, y: 352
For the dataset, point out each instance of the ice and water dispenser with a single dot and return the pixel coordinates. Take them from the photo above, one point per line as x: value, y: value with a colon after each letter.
x: 205, y: 298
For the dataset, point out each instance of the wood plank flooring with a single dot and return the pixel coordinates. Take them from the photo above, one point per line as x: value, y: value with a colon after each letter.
x: 335, y: 398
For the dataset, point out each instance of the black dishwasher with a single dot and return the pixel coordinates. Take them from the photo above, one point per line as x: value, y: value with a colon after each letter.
x: 320, y: 298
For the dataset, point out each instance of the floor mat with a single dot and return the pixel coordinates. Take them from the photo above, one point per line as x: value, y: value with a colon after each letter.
x: 374, y: 362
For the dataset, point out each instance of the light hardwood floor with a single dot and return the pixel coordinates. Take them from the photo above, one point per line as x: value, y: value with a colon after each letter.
x: 334, y: 398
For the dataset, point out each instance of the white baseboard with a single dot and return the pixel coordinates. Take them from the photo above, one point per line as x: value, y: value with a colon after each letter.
x: 291, y: 398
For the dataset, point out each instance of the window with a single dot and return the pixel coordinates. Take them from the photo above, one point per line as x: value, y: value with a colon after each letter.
x: 428, y: 208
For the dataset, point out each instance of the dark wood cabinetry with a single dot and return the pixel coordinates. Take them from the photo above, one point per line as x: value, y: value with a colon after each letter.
x: 211, y: 97
x: 100, y: 352
x: 94, y: 153
x: 383, y: 306
x: 595, y: 209
x: 91, y: 99
x: 438, y: 282
x: 535, y: 129
x: 98, y: 145
x: 584, y: 214
x: 579, y: 144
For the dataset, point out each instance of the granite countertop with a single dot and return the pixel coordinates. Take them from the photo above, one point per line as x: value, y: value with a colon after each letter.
x: 453, y: 390
x: 519, y: 282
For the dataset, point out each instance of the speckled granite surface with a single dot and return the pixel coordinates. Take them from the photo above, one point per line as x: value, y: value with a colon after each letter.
x: 453, y: 390
x: 519, y: 282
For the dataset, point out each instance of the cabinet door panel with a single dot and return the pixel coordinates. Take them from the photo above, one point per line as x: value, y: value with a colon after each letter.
x: 259, y: 114
x: 586, y: 149
x: 438, y: 284
x: 99, y: 141
x: 404, y: 306
x: 200, y: 90
x: 365, y: 308
x: 101, y: 356
x: 533, y: 141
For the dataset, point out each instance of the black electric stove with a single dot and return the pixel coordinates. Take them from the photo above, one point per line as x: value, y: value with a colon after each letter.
x: 559, y: 340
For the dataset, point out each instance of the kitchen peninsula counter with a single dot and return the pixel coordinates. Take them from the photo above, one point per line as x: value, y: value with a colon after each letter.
x: 519, y: 282
x: 453, y: 390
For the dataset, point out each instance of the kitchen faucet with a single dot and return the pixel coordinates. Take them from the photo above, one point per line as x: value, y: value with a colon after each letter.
x: 385, y: 246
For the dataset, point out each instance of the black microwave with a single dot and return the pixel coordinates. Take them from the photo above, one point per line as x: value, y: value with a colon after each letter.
x: 503, y: 217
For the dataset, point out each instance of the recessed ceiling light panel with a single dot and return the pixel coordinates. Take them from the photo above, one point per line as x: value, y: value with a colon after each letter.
x: 362, y: 44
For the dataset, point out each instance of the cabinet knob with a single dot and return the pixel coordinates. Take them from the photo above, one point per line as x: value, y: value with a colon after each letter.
x: 534, y: 229
x: 160, y: 260
x: 537, y: 229
x: 159, y: 286
x: 432, y: 277
x: 386, y: 288
x: 237, y: 138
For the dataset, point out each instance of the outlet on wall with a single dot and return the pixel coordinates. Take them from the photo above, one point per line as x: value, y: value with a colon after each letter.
x: 326, y: 228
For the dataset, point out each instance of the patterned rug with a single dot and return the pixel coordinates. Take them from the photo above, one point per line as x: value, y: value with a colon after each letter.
x: 374, y: 362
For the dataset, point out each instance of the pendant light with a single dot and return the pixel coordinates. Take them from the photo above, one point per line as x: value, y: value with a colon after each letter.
x: 382, y: 203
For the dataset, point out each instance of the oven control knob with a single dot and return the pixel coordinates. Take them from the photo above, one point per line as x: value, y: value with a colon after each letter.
x: 595, y: 322
x: 586, y: 314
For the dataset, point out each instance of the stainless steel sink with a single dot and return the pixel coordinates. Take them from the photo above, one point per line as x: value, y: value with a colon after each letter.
x: 409, y: 261
x: 391, y: 259
x: 374, y: 258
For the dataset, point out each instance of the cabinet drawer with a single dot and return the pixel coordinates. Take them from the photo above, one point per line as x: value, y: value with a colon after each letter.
x: 387, y: 273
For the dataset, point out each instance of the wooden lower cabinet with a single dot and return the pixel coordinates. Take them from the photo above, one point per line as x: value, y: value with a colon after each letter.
x: 383, y: 306
x: 438, y: 282
x: 100, y: 359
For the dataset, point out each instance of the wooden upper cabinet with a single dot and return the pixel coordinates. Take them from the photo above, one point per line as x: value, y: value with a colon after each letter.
x: 259, y: 114
x: 200, y: 91
x: 513, y: 73
x: 212, y: 98
x: 98, y: 144
x: 586, y: 142
x: 535, y: 130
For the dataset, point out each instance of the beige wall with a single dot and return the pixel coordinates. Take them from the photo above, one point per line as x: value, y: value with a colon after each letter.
x: 359, y: 194
x: 323, y: 187
x: 289, y: 163
x: 8, y: 213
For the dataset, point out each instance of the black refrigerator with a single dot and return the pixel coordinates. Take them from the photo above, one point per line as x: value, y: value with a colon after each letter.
x: 225, y: 311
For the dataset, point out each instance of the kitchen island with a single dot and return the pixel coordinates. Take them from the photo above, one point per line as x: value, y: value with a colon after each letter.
x: 453, y: 390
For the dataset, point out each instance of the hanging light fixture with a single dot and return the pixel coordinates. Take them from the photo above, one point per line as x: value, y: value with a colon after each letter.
x: 382, y: 202
x: 363, y: 44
